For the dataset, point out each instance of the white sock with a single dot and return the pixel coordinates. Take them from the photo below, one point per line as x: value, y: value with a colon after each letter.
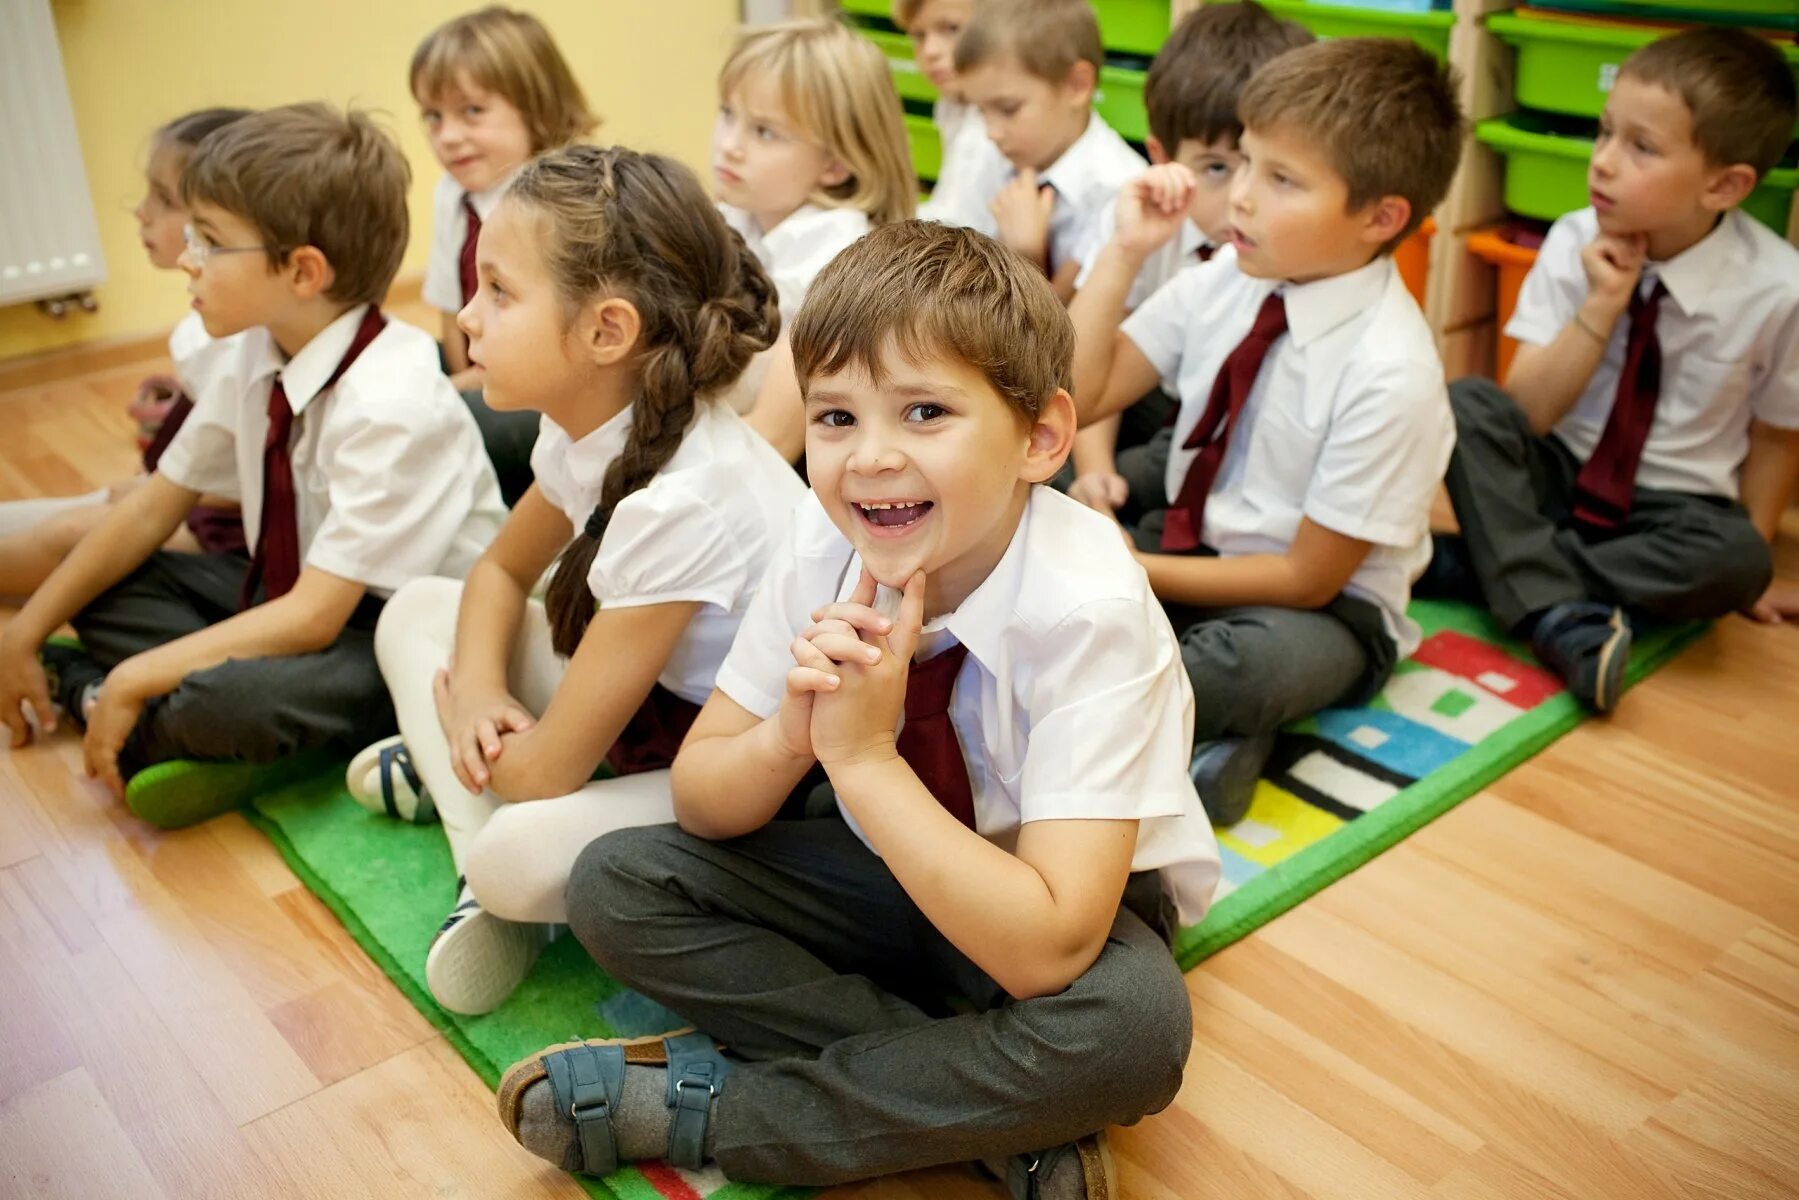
x: 20, y: 516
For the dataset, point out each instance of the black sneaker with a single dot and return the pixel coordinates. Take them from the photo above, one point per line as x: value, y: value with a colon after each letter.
x: 1225, y: 772
x: 69, y: 673
x: 1588, y: 645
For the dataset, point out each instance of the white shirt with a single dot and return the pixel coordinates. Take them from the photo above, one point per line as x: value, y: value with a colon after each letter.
x: 1729, y: 332
x: 1348, y: 422
x: 186, y: 340
x: 449, y: 225
x: 701, y: 531
x: 1072, y: 703
x: 796, y: 250
x: 1174, y: 256
x: 390, y: 478
x: 1087, y: 178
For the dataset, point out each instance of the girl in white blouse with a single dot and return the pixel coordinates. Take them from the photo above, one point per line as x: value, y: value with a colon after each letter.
x: 614, y: 300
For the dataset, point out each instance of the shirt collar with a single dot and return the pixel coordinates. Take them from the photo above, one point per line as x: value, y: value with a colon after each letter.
x: 588, y: 459
x: 489, y: 199
x: 1066, y: 173
x: 985, y: 615
x: 305, y: 374
x: 1692, y: 275
x: 1316, y: 308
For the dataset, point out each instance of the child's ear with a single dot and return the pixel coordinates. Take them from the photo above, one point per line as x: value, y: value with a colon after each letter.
x: 835, y: 173
x: 310, y: 273
x: 1157, y: 155
x: 1052, y: 439
x: 607, y: 331
x: 1383, y: 220
x: 1081, y: 80
x: 1728, y: 187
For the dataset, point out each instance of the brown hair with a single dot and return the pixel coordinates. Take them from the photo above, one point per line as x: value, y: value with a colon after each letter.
x: 620, y: 223
x: 190, y: 129
x: 308, y: 175
x: 1382, y: 110
x: 837, y: 89
x: 1046, y: 37
x: 1737, y: 86
x: 509, y: 53
x: 935, y: 289
x: 1193, y: 84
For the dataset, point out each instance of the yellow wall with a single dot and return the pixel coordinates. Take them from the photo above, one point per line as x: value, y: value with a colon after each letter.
x: 649, y: 67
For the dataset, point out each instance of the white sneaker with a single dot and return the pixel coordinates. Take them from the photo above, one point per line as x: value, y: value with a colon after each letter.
x: 381, y: 778
x: 477, y: 960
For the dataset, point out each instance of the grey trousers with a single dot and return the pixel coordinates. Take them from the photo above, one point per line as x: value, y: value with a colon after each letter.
x: 1676, y: 556
x: 256, y: 709
x: 796, y: 947
x: 1256, y: 667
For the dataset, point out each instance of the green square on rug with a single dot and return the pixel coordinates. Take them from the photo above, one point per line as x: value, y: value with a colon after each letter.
x: 1343, y: 786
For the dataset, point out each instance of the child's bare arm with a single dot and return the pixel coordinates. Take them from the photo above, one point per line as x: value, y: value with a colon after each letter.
x: 735, y: 769
x: 780, y: 413
x: 1546, y: 380
x: 1770, y: 476
x: 1315, y: 568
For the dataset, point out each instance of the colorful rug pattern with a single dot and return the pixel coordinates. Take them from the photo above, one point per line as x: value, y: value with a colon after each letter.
x: 1343, y: 786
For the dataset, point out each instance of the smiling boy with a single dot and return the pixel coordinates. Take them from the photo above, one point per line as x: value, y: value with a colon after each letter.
x: 1024, y: 838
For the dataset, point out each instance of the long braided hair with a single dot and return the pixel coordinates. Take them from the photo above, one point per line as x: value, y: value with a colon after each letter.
x: 620, y: 223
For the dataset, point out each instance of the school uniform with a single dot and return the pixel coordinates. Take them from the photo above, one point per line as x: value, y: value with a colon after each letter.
x: 217, y: 529
x: 1087, y: 178
x: 388, y: 484
x: 1672, y: 539
x: 796, y: 250
x: 797, y: 948
x: 701, y: 532
x: 456, y: 220
x: 1346, y: 424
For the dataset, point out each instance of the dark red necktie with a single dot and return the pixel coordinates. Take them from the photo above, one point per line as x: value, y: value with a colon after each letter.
x: 467, y: 260
x: 1212, y: 435
x: 276, y: 561
x: 1607, y: 484
x: 1204, y: 251
x: 927, y: 741
x: 654, y: 733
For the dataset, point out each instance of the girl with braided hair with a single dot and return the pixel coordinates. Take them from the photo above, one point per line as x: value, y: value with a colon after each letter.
x: 613, y: 300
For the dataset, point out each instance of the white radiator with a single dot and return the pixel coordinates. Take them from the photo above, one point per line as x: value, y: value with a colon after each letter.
x: 49, y: 241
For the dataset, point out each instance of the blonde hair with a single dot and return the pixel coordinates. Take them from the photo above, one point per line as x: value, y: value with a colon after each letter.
x: 620, y: 223
x: 511, y: 54
x: 837, y: 89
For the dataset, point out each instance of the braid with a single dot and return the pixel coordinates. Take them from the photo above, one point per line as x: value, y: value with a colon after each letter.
x: 639, y: 226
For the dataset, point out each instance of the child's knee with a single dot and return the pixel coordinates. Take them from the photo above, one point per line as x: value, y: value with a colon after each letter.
x: 607, y: 883
x: 423, y: 608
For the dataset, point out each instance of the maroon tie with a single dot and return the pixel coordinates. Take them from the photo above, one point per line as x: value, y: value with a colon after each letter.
x: 469, y: 240
x: 927, y: 741
x: 1204, y: 251
x: 1607, y: 483
x: 1213, y: 433
x: 276, y: 561
x: 654, y: 733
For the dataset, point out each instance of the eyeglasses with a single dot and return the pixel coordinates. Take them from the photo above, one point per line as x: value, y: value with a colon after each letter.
x: 199, y: 249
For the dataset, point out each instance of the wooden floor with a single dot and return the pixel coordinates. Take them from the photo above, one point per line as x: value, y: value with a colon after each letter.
x: 1581, y: 984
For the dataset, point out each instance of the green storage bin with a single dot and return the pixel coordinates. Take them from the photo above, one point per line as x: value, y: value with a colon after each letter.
x: 1119, y: 100
x: 909, y: 78
x: 1569, y: 66
x: 868, y: 8
x: 1133, y: 26
x: 927, y: 146
x: 1546, y: 172
x: 1769, y: 14
x: 1428, y: 29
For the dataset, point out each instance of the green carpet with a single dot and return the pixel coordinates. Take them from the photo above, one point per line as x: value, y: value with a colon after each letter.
x: 1345, y: 786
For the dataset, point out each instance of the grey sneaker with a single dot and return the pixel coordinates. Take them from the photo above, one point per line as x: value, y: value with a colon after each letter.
x: 1588, y: 645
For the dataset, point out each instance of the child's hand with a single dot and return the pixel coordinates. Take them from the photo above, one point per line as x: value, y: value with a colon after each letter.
x: 1778, y: 605
x: 1613, y: 264
x: 858, y: 719
x: 1022, y: 211
x: 1152, y: 206
x: 22, y: 682
x: 1103, y: 491
x: 110, y: 721
x: 473, y: 720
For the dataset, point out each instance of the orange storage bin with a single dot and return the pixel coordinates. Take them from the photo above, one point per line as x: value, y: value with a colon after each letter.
x: 1514, y: 263
x: 1412, y: 257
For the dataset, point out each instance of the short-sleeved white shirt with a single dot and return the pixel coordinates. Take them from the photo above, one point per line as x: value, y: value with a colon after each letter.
x: 796, y: 250
x: 1729, y: 333
x: 1072, y: 703
x: 1176, y: 255
x: 186, y: 340
x: 390, y: 477
x: 1087, y: 178
x: 442, y: 289
x: 701, y: 531
x: 1348, y: 422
